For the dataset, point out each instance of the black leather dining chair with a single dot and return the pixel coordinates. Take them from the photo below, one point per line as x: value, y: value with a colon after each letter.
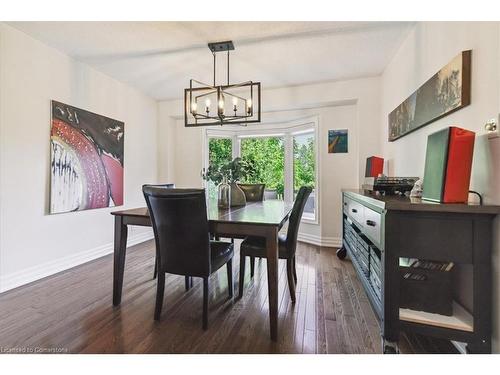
x: 255, y: 247
x: 180, y: 224
x: 253, y: 192
x: 188, y: 281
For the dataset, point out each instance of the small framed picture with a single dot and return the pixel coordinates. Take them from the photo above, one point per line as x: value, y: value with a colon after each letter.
x: 337, y: 141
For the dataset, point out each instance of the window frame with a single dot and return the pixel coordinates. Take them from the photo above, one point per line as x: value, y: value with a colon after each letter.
x: 286, y: 130
x: 308, y: 130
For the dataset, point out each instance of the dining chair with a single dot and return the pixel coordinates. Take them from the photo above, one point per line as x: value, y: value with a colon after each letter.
x: 180, y: 225
x: 188, y: 281
x: 253, y: 192
x: 255, y: 247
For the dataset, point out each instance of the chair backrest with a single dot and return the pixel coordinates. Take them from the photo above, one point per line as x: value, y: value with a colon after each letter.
x: 167, y: 186
x: 180, y: 225
x: 253, y: 192
x: 295, y: 216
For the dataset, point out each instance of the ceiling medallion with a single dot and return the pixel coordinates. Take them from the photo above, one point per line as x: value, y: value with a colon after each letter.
x: 206, y: 105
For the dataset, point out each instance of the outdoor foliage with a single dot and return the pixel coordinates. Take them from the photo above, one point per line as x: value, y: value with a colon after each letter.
x: 267, y: 156
x: 304, y: 160
x: 219, y: 151
x: 262, y: 161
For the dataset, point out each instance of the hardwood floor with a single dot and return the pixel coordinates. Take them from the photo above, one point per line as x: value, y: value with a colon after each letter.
x: 72, y: 312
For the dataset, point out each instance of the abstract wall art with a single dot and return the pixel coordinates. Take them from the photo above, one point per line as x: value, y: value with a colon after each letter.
x: 86, y: 168
x: 337, y: 141
x: 445, y: 92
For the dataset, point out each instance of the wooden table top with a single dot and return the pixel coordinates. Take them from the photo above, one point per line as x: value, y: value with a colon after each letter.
x: 269, y: 212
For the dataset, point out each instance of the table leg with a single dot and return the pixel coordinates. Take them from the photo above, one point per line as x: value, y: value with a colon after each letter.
x: 272, y: 280
x: 119, y: 259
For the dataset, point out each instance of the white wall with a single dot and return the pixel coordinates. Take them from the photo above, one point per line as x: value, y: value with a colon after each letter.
x: 339, y: 105
x: 426, y: 49
x: 34, y: 244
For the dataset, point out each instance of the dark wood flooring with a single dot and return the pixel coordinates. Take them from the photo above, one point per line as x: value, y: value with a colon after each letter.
x: 72, y: 312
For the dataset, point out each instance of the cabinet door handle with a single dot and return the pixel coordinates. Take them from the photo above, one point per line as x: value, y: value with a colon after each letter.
x: 345, y: 203
x: 371, y: 223
x: 354, y: 210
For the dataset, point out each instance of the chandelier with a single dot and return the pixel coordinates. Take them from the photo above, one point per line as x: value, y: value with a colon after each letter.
x: 206, y: 105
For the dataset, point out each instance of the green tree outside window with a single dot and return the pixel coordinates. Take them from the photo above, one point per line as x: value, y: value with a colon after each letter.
x: 267, y: 156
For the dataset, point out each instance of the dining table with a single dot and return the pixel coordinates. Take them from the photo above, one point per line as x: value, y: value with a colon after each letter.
x: 261, y: 219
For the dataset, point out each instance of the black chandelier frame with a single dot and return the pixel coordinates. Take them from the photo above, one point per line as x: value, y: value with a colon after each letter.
x: 204, y: 118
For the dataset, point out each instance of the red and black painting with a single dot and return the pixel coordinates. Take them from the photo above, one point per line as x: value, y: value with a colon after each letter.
x: 86, y: 160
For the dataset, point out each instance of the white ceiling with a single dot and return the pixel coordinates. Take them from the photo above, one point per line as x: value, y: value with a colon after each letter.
x: 159, y: 58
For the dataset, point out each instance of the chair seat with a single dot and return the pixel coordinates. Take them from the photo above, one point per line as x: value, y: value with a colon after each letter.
x: 256, y: 247
x: 220, y: 253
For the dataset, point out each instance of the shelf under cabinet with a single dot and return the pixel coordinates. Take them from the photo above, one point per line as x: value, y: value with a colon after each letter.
x: 460, y: 320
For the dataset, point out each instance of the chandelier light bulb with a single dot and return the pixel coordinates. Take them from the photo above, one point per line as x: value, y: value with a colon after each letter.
x: 235, y: 101
x: 221, y: 104
x: 207, y: 103
x: 193, y: 107
x: 249, y: 106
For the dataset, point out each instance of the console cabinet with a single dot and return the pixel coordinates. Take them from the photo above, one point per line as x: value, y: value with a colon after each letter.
x: 380, y: 233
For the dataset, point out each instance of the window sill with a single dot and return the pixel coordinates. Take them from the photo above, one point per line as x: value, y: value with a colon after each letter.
x: 311, y: 221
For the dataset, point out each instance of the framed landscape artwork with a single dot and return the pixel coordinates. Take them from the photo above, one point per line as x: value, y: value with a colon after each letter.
x: 445, y: 92
x: 337, y: 141
x: 86, y: 161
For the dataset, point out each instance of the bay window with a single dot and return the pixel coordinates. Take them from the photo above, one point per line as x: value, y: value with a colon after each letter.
x: 284, y: 157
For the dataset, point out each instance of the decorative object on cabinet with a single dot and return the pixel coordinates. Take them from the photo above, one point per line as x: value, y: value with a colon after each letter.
x: 86, y: 160
x: 446, y: 91
x: 417, y: 190
x: 374, y: 166
x: 390, y: 185
x: 448, y: 164
x: 337, y: 141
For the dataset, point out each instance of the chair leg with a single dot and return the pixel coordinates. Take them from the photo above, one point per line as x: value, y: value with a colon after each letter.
x: 156, y: 268
x: 229, y: 266
x: 295, y: 270
x: 252, y: 266
x: 205, y: 302
x: 188, y: 282
x: 242, y: 275
x: 159, y: 295
x: 291, y: 281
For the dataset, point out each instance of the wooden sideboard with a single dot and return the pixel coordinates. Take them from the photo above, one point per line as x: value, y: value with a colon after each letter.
x: 380, y: 232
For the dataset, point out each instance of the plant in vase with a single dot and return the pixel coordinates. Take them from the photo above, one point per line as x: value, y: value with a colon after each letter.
x: 231, y: 172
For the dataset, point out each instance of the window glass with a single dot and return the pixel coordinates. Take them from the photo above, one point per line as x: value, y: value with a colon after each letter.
x: 267, y: 156
x: 220, y: 151
x: 304, y: 169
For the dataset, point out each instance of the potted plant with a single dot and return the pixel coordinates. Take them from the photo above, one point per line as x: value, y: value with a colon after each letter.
x: 229, y: 174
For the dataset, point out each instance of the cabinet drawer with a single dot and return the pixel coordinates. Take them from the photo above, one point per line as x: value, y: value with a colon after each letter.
x: 372, y: 224
x: 355, y: 211
x: 345, y: 205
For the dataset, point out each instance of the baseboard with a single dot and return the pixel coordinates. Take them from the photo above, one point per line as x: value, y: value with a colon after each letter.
x: 28, y: 275
x: 320, y: 241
